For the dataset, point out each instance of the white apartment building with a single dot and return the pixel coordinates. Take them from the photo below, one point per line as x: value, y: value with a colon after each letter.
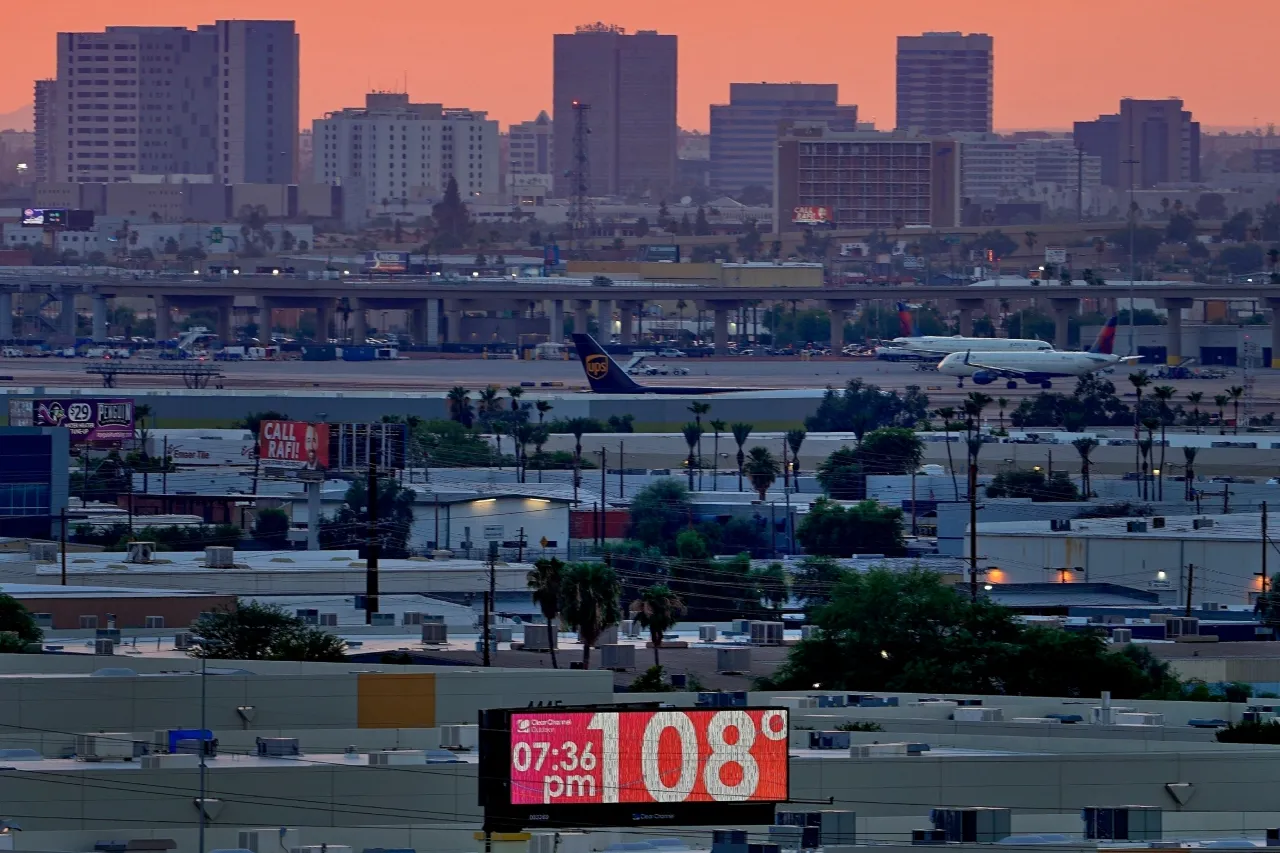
x: 220, y: 100
x: 530, y: 156
x: 998, y: 169
x: 407, y: 152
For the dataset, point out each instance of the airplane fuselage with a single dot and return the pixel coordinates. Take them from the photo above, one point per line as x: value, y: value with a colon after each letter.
x: 939, y: 345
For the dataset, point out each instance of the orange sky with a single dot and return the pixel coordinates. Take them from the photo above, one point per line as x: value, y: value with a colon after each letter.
x: 1055, y: 62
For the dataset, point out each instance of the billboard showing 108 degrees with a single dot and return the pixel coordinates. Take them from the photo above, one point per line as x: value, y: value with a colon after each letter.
x: 659, y: 757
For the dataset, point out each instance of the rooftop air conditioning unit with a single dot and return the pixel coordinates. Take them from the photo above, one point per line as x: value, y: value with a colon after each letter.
x: 397, y: 757
x: 540, y: 638
x: 154, y: 621
x: 1201, y: 523
x: 829, y: 740
x: 797, y: 703
x: 1213, y: 606
x: 765, y: 633
x: 1123, y: 823
x: 43, y: 552
x: 309, y: 616
x: 461, y: 736
x: 384, y: 620
x: 501, y: 635
x: 104, y: 646
x: 278, y: 747
x: 618, y: 657
x: 140, y: 552
x: 972, y: 825
x: 1122, y: 635
x: 707, y: 633
x: 977, y: 715
x: 411, y: 618
x: 543, y: 842
x: 1135, y: 526
x: 733, y: 660
x: 89, y: 621
x: 328, y: 620
x: 220, y: 557
x: 183, y: 639
x: 118, y: 746
x: 1059, y: 524
x: 434, y: 632
x: 169, y: 762
x: 1157, y: 522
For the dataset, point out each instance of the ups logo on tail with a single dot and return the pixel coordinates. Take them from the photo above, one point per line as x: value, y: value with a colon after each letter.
x: 597, y: 366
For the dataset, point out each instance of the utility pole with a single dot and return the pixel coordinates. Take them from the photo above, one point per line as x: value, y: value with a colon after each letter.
x: 973, y: 530
x: 1262, y: 570
x: 786, y: 467
x: 488, y: 598
x: 604, y: 473
x: 520, y: 547
x: 1191, y: 572
x: 62, y: 535
x: 1133, y: 224
x: 371, y: 548
x: 622, y: 485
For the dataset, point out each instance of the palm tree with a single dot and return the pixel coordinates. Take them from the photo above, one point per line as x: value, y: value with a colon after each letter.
x: 1144, y: 447
x: 460, y: 405
x: 578, y: 426
x: 1140, y: 380
x: 1220, y: 400
x: 762, y: 469
x: 589, y: 603
x: 521, y: 435
x: 539, y: 438
x: 488, y: 403
x: 515, y: 392
x: 717, y: 427
x: 1194, y: 399
x: 680, y: 306
x: 1163, y: 394
x: 1002, y: 403
x: 1189, y: 456
x: 1030, y: 239
x: 658, y: 609
x: 947, y: 413
x: 741, y: 432
x: 1236, y: 393
x: 795, y: 438
x: 499, y: 428
x: 698, y: 410
x: 543, y: 407
x: 692, y: 435
x: 1085, y: 446
x: 546, y: 582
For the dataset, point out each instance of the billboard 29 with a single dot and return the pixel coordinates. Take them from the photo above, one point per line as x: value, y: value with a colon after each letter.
x: 629, y: 766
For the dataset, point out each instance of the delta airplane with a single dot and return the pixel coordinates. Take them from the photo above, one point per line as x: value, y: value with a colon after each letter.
x: 1035, y: 368
x: 606, y: 377
x: 911, y: 345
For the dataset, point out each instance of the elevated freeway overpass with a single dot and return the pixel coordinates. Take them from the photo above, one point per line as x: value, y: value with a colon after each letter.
x: 429, y: 298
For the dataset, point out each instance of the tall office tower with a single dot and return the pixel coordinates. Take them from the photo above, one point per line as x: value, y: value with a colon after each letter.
x: 945, y: 83
x: 1148, y: 142
x: 258, y: 111
x: 745, y: 131
x: 629, y: 81
x: 402, y: 150
x: 530, y: 158
x: 221, y: 100
x: 45, y: 93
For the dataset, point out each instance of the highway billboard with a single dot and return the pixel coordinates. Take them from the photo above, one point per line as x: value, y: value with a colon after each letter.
x: 88, y: 419
x: 294, y: 445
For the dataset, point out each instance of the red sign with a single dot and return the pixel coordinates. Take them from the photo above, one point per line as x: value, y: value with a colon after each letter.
x: 811, y: 214
x: 732, y: 756
x: 293, y: 444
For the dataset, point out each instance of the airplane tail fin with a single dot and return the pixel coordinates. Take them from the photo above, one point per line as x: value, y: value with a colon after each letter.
x: 1106, y: 341
x: 603, y: 373
x: 905, y: 325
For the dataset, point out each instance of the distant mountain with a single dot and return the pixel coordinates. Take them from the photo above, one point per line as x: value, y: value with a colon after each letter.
x: 22, y: 118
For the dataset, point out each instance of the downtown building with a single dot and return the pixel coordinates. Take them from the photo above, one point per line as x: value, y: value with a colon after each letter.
x: 946, y: 83
x: 220, y: 100
x: 866, y: 179
x: 745, y: 131
x: 1148, y: 142
x: 530, y: 160
x: 629, y: 83
x: 997, y: 169
x: 401, y: 151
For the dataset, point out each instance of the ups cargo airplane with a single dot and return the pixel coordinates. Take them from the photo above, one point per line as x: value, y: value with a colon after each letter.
x: 606, y: 377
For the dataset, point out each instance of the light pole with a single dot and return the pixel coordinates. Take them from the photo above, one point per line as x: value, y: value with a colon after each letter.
x: 1133, y: 221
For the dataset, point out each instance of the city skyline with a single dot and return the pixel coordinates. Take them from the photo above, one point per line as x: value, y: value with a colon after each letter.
x: 1099, y: 53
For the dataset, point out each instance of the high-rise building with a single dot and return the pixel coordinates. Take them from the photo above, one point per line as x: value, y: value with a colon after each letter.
x: 45, y: 112
x: 945, y: 83
x: 997, y: 169
x: 530, y: 157
x: 865, y: 179
x: 258, y: 111
x: 220, y: 100
x: 629, y: 81
x: 1148, y: 142
x: 745, y: 131
x: 401, y: 150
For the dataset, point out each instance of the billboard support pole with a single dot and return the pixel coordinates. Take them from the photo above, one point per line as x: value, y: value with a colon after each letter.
x: 313, y: 515
x: 371, y: 561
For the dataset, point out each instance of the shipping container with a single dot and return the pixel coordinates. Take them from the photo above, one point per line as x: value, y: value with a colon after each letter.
x: 319, y: 352
x: 359, y: 353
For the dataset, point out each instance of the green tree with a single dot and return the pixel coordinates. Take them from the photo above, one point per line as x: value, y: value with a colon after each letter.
x: 348, y: 528
x: 795, y: 439
x: 16, y: 622
x: 717, y: 427
x: 772, y: 584
x: 459, y: 402
x: 1139, y: 381
x: 543, y: 407
x: 546, y: 583
x: 1221, y: 400
x: 841, y: 475
x: 271, y: 526
x: 253, y: 631
x: 659, y: 511
x: 692, y: 436
x: 1085, y: 447
x: 590, y: 603
x: 1236, y: 394
x: 741, y: 432
x: 762, y: 469
x: 658, y: 609
x: 1195, y: 398
x: 831, y: 530
x: 861, y: 407
x: 890, y: 450
x: 1034, y: 485
x: 701, y: 227
x: 452, y: 219
x: 815, y: 578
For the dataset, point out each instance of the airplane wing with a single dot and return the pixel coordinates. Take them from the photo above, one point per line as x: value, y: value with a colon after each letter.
x: 1007, y: 372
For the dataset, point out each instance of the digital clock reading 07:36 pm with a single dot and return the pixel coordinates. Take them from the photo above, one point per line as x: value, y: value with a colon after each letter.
x: 666, y: 756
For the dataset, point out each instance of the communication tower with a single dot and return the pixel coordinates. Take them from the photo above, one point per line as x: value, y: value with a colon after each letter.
x: 582, y: 214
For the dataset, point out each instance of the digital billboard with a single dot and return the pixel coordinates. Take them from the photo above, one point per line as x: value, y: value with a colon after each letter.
x: 88, y: 420
x: 294, y: 444
x: 44, y: 217
x: 627, y: 766
x: 811, y: 214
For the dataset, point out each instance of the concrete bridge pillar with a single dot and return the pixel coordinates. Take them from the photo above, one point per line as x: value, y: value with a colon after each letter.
x: 432, y: 310
x: 581, y: 316
x: 604, y: 318
x: 164, y: 318
x: 6, y: 315
x: 418, y: 324
x: 99, y: 318
x: 325, y: 309
x: 1063, y: 309
x: 720, y: 327
x: 626, y: 330
x: 67, y: 314
x: 965, y: 309
x: 226, y: 328
x: 555, y: 321
x: 1173, y: 346
x: 838, y: 309
x: 359, y: 326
